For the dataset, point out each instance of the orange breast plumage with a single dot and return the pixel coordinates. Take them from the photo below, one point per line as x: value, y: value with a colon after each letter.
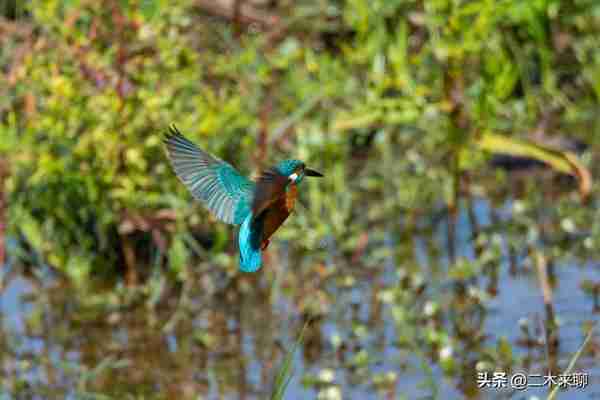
x: 290, y: 197
x: 277, y: 213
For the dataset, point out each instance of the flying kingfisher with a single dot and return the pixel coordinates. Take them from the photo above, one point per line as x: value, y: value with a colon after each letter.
x: 260, y: 207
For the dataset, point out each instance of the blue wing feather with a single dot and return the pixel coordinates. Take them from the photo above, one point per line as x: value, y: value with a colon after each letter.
x: 224, y: 191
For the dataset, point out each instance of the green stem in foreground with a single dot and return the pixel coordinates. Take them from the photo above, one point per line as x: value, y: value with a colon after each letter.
x: 285, y: 373
x: 554, y: 391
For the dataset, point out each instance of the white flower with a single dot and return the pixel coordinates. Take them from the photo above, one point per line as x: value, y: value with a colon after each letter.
x: 330, y: 393
x: 446, y: 352
x: 326, y: 375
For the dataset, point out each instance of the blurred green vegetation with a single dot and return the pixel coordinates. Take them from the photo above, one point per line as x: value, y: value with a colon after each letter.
x: 403, y: 104
x: 393, y: 98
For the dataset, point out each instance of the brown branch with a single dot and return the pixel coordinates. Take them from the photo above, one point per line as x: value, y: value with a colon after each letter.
x: 239, y: 12
x: 551, y: 329
x: 3, y: 205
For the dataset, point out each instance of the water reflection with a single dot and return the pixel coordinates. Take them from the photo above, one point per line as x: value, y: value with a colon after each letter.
x: 407, y: 322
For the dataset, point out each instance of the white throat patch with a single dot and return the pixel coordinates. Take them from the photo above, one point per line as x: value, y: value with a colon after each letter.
x: 293, y: 177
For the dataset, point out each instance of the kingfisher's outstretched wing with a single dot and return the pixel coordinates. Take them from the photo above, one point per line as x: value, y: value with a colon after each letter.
x: 224, y: 191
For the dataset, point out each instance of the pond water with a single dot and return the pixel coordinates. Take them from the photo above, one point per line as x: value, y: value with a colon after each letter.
x: 401, y: 328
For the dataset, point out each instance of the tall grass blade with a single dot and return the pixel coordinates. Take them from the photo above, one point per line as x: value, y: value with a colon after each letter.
x: 286, y: 372
x: 554, y: 391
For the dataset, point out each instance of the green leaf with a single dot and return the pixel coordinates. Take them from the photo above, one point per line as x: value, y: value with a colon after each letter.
x: 149, y: 8
x: 562, y: 161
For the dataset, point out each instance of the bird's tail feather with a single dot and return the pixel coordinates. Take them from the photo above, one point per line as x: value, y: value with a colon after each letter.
x: 249, y: 243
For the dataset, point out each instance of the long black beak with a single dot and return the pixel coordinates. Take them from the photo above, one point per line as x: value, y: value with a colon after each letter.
x: 312, y: 172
